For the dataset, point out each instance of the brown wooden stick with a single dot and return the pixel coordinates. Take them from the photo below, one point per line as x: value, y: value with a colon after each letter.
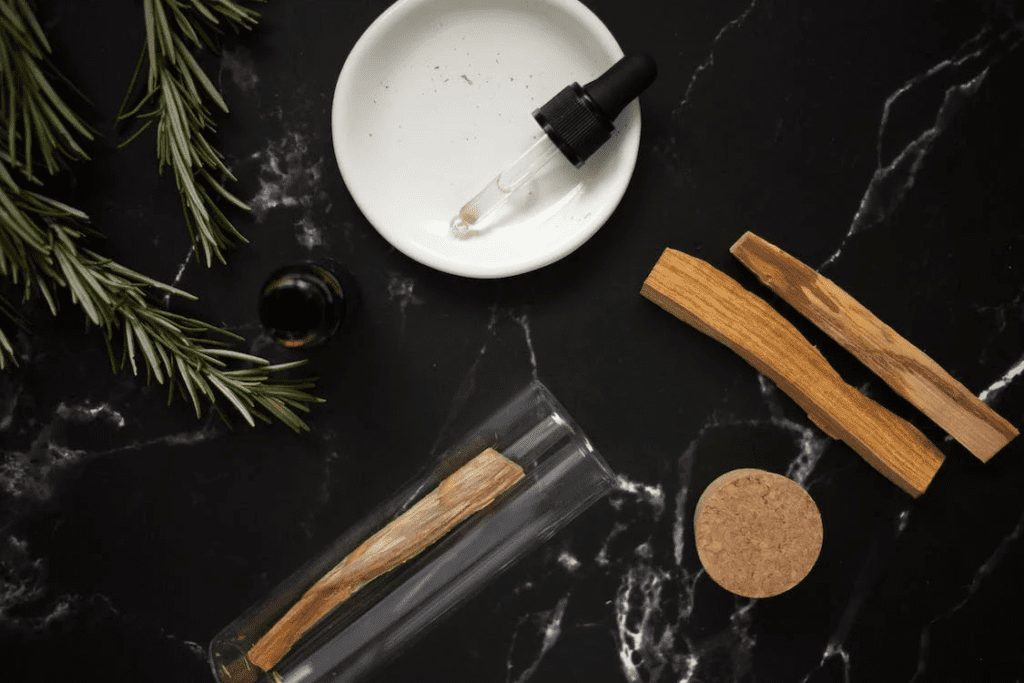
x: 900, y: 364
x: 466, y: 491
x: 718, y: 306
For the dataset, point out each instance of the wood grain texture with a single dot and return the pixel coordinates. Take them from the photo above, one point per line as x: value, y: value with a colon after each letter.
x: 900, y: 364
x: 466, y: 491
x: 718, y: 306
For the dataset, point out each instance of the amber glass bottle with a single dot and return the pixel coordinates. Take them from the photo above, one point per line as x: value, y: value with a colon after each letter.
x: 303, y: 305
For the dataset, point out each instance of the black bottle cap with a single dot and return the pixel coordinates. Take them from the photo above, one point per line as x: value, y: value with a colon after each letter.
x: 580, y: 119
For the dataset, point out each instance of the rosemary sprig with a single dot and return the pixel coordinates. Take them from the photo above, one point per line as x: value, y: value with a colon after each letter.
x: 32, y: 113
x: 43, y: 250
x: 177, y: 96
x: 41, y: 243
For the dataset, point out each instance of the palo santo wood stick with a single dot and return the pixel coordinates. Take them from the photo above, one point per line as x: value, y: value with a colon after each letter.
x: 718, y: 306
x: 466, y: 491
x: 900, y: 364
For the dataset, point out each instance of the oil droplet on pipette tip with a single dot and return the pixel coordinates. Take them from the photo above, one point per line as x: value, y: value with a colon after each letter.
x: 466, y: 217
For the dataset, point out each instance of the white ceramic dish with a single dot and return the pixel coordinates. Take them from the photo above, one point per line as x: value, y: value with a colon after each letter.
x: 436, y: 97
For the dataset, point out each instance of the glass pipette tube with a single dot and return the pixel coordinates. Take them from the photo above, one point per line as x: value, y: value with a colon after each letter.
x: 498, y: 191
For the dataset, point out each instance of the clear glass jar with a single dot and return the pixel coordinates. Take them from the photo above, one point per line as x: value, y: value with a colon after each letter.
x: 563, y: 475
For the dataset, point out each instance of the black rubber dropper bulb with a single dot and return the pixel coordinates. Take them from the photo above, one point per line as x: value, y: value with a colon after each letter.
x: 581, y: 118
x: 621, y: 84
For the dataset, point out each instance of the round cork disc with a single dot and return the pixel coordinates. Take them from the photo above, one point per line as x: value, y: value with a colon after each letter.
x: 758, y: 534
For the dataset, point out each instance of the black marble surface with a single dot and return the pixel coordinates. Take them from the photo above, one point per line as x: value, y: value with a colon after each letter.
x: 881, y: 141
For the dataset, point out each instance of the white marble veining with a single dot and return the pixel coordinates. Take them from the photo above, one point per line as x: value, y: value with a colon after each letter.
x: 992, y: 391
x: 709, y: 61
x: 1003, y: 312
x: 291, y: 177
x: 20, y: 578
x: 984, y: 571
x: 239, y: 66
x: 402, y: 290
x: 180, y: 273
x: 31, y: 473
x: 308, y: 233
x: 902, y: 520
x: 569, y: 561
x: 524, y: 322
x: 891, y: 181
x: 549, y: 624
x: 30, y: 477
x: 651, y: 494
x: 833, y: 651
x: 835, y: 647
x: 645, y: 641
x: 89, y: 412
x: 603, y: 557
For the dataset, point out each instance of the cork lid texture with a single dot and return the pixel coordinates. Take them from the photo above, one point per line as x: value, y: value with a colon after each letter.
x: 758, y: 534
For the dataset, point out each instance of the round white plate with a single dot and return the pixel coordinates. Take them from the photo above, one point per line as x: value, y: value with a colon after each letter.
x: 436, y: 97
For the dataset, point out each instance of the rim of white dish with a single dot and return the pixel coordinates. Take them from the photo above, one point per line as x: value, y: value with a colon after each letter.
x: 384, y: 22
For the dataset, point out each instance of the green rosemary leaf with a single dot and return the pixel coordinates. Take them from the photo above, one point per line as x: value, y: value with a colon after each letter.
x: 122, y: 111
x: 44, y: 290
x: 91, y: 280
x: 164, y: 37
x: 6, y: 352
x: 281, y: 367
x: 174, y: 118
x: 168, y: 365
x: 12, y: 18
x: 147, y: 9
x: 131, y: 138
x: 184, y: 25
x: 79, y: 294
x: 154, y: 317
x: 234, y: 400
x: 179, y: 95
x: 185, y: 373
x: 57, y: 102
x: 238, y: 355
x: 207, y: 14
x: 148, y: 352
x: 213, y: 362
x: 55, y: 207
x: 33, y: 24
x: 204, y: 386
x: 222, y: 191
x: 282, y: 413
x: 129, y: 344
x: 204, y: 80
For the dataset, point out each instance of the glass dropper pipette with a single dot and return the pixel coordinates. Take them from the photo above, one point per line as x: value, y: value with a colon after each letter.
x: 494, y: 195
x: 576, y: 122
